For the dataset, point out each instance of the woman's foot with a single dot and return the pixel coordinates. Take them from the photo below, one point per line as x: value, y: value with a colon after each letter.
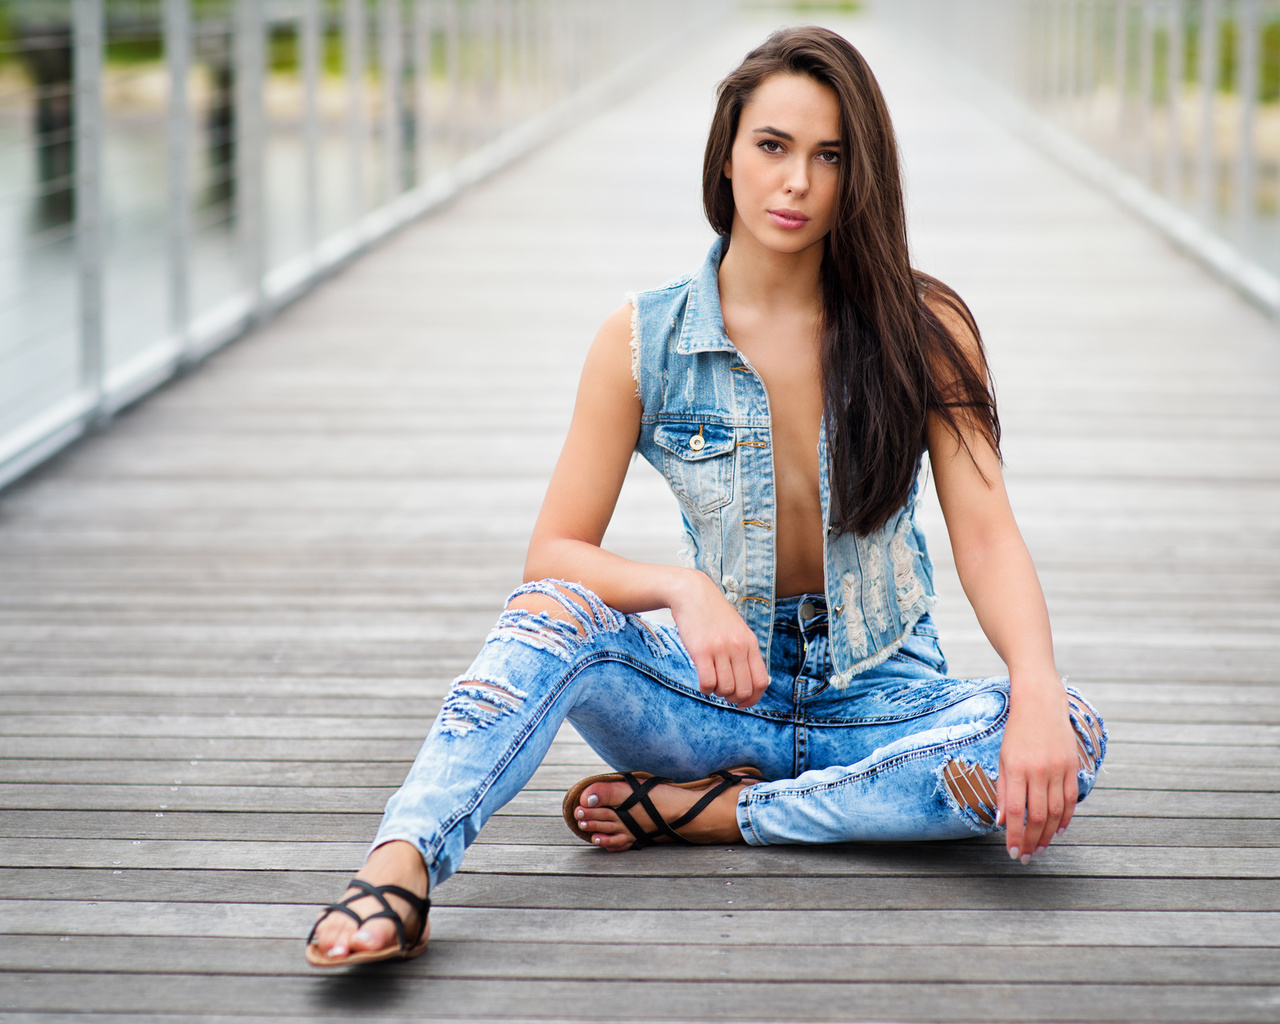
x: 595, y: 813
x: 338, y: 939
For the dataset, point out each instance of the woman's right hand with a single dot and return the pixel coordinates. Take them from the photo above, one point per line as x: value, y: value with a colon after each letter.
x: 723, y: 648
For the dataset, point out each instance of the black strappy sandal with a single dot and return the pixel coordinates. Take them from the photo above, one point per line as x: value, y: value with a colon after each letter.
x: 420, y: 904
x: 641, y: 783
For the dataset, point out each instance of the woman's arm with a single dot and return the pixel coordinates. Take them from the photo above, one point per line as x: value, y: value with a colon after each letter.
x: 577, y: 508
x: 1038, y: 759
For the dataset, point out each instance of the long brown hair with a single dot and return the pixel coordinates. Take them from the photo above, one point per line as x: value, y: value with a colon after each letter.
x: 888, y: 360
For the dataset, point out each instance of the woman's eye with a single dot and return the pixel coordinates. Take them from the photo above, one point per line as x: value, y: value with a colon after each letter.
x: 829, y: 157
x: 771, y: 145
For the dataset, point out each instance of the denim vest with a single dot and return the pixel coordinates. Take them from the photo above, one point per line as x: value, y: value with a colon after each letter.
x: 706, y: 427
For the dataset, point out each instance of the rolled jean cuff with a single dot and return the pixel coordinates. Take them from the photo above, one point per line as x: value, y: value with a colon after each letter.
x: 749, y: 834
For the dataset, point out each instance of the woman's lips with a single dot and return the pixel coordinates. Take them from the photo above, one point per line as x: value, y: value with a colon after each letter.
x: 789, y: 220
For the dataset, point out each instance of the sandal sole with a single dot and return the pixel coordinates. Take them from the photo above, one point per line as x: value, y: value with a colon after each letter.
x: 570, y: 803
x: 317, y: 959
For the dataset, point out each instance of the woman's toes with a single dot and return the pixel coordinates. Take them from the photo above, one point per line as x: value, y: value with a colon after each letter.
x: 373, y: 935
x: 333, y: 935
x: 604, y: 794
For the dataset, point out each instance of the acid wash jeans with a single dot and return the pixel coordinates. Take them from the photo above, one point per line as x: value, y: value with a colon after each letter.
x: 905, y: 752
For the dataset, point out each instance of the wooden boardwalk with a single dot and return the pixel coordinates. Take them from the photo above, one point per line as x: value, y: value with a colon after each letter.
x: 226, y: 623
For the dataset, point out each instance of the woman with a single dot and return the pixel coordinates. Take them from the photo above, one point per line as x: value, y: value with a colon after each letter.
x: 787, y: 390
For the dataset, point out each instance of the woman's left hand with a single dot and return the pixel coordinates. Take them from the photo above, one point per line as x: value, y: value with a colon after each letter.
x: 1036, y: 790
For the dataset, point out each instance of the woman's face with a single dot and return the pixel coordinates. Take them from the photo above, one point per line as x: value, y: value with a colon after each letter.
x: 784, y: 165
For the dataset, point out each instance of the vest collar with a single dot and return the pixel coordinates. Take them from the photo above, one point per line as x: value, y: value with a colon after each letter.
x: 703, y: 328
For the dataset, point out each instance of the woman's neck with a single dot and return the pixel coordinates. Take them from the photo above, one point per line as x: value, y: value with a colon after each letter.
x: 767, y: 280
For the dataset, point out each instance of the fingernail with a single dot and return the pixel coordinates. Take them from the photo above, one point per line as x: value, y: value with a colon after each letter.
x: 1025, y: 858
x: 338, y: 951
x: 1061, y: 830
x: 1013, y: 853
x: 592, y: 800
x: 363, y: 936
x: 1040, y: 850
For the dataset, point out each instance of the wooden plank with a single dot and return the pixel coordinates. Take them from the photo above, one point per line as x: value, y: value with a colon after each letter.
x: 604, y: 962
x: 540, y: 830
x: 319, y: 800
x: 636, y: 891
x: 553, y: 777
x: 416, y: 725
x: 1000, y: 926
x: 897, y: 859
x: 568, y: 751
x: 729, y: 996
x: 1262, y: 709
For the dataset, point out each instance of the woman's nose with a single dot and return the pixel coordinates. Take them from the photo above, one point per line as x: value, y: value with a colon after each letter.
x: 798, y: 178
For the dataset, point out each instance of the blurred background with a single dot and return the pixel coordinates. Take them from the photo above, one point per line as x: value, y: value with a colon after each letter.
x: 172, y: 170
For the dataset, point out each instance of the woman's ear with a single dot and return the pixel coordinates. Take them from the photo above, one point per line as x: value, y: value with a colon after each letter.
x: 728, y: 169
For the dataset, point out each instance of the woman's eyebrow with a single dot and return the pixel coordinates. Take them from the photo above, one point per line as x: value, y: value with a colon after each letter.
x: 768, y: 130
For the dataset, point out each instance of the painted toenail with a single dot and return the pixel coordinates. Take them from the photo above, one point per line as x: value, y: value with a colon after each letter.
x: 592, y: 800
x: 338, y: 951
x: 363, y: 936
x: 580, y: 814
x: 597, y: 840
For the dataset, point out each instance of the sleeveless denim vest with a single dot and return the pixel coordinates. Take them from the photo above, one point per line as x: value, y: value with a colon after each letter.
x: 706, y: 427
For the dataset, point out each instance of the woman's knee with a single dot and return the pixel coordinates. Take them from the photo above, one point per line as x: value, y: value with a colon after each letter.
x: 558, y: 599
x: 1091, y: 733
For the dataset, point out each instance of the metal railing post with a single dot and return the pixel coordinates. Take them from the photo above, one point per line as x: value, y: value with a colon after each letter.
x: 1206, y: 162
x: 353, y: 48
x: 1174, y: 74
x: 1247, y: 95
x: 1146, y: 89
x: 250, y: 26
x: 1072, y: 55
x: 453, y: 71
x: 1088, y: 53
x: 392, y: 61
x: 1122, y: 78
x: 423, y: 111
x: 177, y: 52
x: 310, y: 31
x: 89, y: 30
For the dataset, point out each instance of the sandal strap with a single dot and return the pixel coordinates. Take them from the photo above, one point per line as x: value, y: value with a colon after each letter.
x: 727, y: 779
x: 420, y: 904
x: 341, y: 908
x: 640, y: 795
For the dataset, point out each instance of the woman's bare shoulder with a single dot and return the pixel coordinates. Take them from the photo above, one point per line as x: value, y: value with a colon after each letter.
x: 608, y: 372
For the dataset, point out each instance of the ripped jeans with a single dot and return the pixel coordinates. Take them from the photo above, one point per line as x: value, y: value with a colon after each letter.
x: 903, y: 753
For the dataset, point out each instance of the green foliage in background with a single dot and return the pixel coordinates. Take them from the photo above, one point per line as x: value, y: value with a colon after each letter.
x: 807, y: 6
x: 1226, y: 64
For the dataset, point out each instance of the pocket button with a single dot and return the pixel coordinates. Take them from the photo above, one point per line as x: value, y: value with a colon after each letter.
x: 697, y: 442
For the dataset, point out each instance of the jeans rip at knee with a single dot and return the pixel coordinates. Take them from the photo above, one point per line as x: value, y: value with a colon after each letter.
x: 567, y: 616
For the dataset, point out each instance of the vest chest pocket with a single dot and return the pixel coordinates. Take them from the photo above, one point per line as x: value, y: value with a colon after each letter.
x: 697, y: 460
